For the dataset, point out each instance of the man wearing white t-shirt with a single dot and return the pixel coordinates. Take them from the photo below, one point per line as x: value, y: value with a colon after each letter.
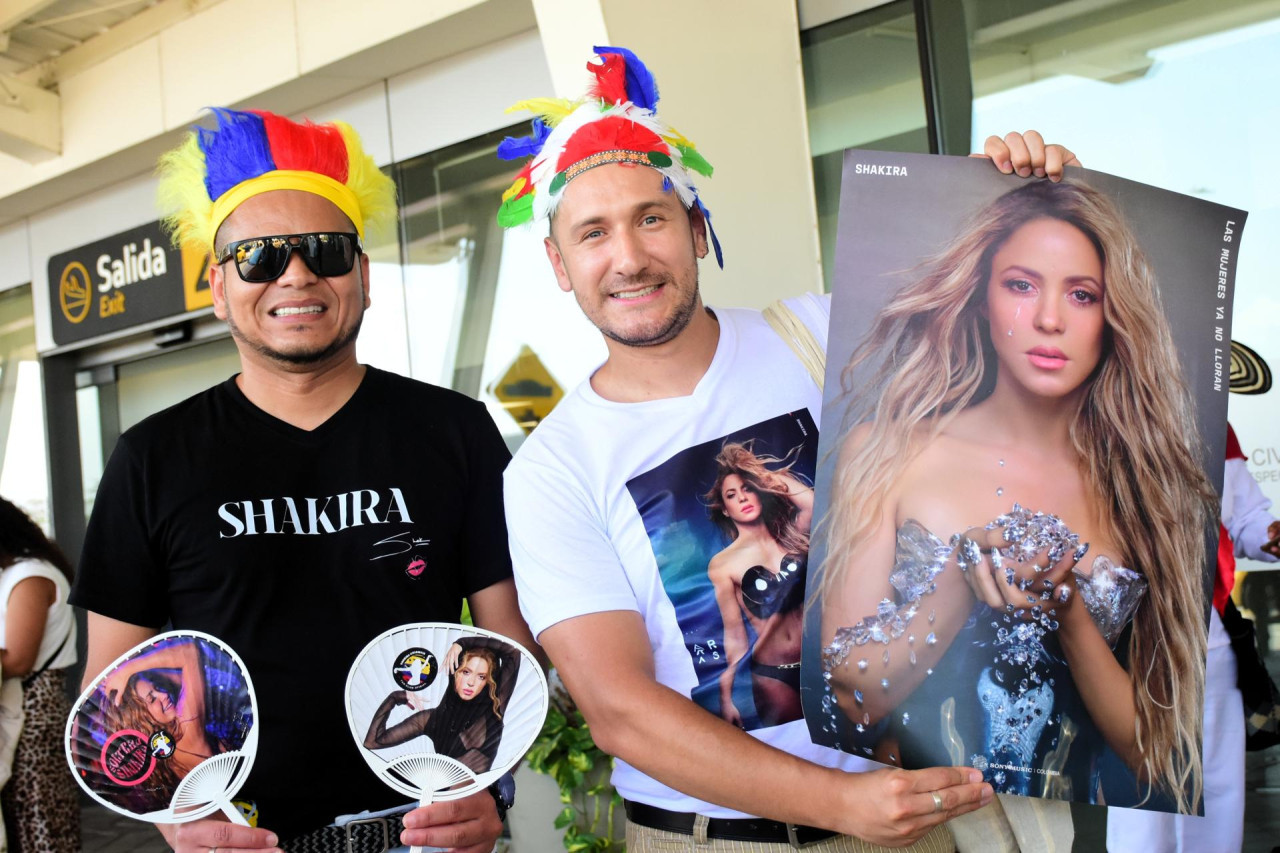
x: 607, y: 504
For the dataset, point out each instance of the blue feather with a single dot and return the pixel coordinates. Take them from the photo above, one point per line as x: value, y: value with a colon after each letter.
x: 516, y: 147
x: 715, y: 241
x: 642, y: 89
x: 236, y: 151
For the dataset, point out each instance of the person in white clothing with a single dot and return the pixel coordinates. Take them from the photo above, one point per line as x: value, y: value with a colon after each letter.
x: 610, y: 538
x: 38, y: 631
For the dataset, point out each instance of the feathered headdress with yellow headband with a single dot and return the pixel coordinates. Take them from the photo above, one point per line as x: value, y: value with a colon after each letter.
x: 614, y: 123
x: 216, y: 170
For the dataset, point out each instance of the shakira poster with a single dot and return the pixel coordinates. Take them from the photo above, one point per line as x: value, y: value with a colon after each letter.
x: 729, y: 524
x: 1025, y: 412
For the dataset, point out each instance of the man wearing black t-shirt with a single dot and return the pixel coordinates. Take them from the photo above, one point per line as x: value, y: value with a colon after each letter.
x: 307, y: 504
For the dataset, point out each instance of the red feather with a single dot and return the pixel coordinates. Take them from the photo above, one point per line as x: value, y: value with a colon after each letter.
x: 609, y: 134
x: 306, y: 147
x: 611, y: 79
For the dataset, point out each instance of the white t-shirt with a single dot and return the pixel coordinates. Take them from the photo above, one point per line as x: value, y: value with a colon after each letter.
x: 606, y: 511
x: 60, y: 623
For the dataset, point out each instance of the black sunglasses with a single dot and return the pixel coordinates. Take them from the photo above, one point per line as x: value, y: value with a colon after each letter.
x: 263, y: 259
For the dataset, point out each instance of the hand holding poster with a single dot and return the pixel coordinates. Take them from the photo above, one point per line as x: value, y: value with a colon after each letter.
x: 168, y: 732
x: 1026, y: 396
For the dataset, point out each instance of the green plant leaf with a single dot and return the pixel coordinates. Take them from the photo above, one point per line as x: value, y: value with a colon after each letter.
x: 565, y: 751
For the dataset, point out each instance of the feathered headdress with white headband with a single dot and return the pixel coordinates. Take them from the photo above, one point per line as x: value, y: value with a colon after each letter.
x: 614, y: 123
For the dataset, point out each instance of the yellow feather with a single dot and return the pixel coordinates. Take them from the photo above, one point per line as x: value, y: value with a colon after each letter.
x: 181, y: 194
x: 675, y: 137
x: 551, y: 109
x: 375, y: 192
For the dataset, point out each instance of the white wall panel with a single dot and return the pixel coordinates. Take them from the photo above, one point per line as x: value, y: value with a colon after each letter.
x: 228, y: 53
x: 366, y: 111
x: 95, y: 124
x: 15, y: 258
x: 465, y: 95
x: 328, y: 29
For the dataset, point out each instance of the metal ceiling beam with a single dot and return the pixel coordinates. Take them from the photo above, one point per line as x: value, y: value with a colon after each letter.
x: 1046, y: 17
x: 1112, y: 50
x: 14, y: 12
x: 133, y: 30
x: 30, y: 120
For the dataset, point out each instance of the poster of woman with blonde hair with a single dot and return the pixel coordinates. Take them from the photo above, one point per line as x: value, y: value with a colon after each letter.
x: 1017, y: 502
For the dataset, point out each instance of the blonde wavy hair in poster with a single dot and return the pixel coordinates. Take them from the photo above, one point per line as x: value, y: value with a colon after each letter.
x: 1134, y: 433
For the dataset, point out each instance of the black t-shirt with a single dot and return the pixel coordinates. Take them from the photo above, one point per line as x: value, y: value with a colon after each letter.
x: 297, y: 548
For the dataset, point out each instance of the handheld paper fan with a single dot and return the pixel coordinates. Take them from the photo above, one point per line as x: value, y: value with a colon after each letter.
x: 440, y: 711
x: 168, y: 732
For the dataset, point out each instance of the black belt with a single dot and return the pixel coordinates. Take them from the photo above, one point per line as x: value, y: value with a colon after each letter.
x: 729, y: 829
x: 362, y: 835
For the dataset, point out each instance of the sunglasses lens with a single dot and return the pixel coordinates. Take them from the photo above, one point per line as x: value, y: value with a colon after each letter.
x: 265, y: 259
x: 329, y: 254
x: 262, y: 259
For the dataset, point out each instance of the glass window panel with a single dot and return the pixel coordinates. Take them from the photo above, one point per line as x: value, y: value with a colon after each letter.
x: 89, y: 429
x: 475, y: 295
x: 862, y: 90
x: 146, y: 386
x: 448, y: 200
x: 24, y: 474
x: 384, y: 332
x: 532, y: 311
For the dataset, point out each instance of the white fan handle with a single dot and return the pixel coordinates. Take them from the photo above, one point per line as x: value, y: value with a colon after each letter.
x: 425, y: 801
x: 233, y: 814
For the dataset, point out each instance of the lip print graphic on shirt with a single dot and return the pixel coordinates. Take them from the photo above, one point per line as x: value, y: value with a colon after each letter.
x: 416, y: 566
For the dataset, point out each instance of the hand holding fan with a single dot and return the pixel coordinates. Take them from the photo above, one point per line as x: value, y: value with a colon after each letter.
x: 168, y: 732
x: 440, y: 711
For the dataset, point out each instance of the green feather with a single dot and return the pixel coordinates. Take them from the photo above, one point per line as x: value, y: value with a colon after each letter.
x: 695, y: 161
x: 517, y: 211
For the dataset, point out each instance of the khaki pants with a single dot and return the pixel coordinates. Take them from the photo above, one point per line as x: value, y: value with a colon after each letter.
x: 642, y: 839
x: 1016, y: 825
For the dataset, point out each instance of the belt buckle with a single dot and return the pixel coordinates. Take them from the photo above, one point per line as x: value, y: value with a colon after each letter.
x: 380, y: 821
x: 793, y: 838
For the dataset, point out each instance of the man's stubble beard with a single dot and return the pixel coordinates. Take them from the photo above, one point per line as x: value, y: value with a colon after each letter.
x: 676, y: 324
x: 301, y: 358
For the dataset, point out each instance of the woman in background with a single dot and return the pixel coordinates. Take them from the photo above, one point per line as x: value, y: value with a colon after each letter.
x: 40, y: 801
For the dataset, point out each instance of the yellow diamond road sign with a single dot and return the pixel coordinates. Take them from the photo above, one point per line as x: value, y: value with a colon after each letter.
x: 526, y: 390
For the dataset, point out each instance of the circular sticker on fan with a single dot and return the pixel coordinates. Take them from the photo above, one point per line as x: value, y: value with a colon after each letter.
x: 166, y: 733
x: 440, y: 710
